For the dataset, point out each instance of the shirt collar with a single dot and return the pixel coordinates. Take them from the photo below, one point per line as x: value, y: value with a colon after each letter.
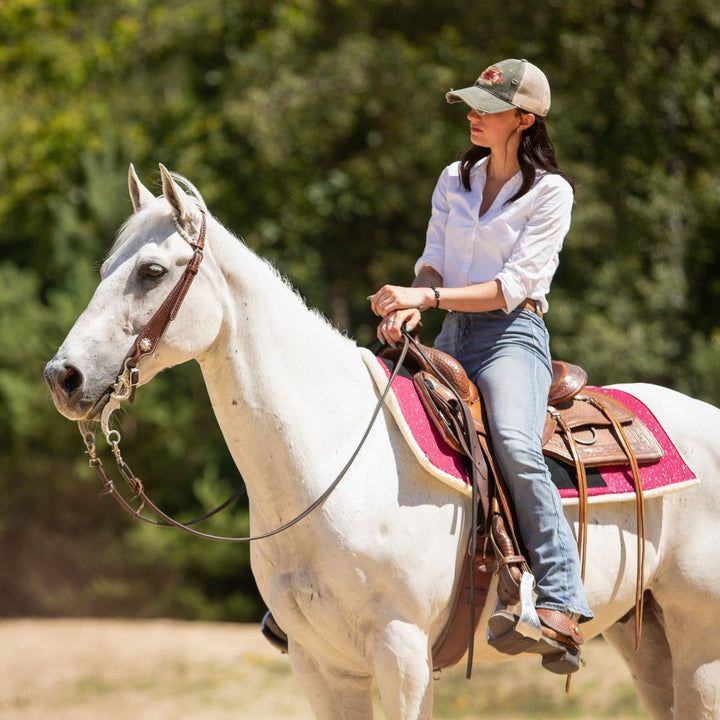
x: 479, y: 172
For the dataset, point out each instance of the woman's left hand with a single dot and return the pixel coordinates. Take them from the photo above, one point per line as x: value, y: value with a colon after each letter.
x: 389, y: 330
x: 390, y: 298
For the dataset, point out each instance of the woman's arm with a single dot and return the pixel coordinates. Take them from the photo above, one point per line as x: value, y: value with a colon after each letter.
x: 529, y: 269
x: 410, y: 301
x: 400, y: 306
x: 480, y: 297
x: 419, y: 295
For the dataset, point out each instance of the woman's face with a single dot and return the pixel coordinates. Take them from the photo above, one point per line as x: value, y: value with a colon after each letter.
x: 493, y: 130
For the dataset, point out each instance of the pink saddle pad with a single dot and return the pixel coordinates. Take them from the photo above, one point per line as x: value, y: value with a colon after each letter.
x: 612, y: 481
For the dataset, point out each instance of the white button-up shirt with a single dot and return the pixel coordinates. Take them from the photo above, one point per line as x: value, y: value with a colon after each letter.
x: 517, y: 243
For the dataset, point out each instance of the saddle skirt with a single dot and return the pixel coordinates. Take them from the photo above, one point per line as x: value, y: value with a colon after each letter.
x: 662, y: 469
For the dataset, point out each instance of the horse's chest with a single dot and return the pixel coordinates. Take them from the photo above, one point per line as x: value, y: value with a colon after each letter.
x: 296, y: 589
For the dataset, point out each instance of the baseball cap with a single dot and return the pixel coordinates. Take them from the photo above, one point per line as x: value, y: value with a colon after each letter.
x: 506, y: 85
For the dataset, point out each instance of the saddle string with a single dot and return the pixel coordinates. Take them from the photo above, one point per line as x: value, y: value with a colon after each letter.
x: 571, y: 443
x: 136, y: 485
x: 640, y: 513
x: 463, y: 432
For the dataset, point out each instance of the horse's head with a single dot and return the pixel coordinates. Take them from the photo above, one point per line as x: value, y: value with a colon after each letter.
x: 148, y: 258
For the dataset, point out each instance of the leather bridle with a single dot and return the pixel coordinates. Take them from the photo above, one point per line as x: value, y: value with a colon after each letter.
x: 124, y: 389
x: 149, y: 337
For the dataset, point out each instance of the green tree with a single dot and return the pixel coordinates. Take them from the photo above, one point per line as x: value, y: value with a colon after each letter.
x: 317, y: 130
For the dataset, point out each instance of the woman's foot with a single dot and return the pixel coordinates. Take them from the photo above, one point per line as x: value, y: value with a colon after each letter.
x: 559, y: 644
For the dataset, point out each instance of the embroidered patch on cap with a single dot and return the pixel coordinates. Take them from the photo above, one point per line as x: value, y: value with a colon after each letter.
x: 491, y: 76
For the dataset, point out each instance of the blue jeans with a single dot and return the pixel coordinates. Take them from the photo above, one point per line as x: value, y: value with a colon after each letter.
x: 508, y: 358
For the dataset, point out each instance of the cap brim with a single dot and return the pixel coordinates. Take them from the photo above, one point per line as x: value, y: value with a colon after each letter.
x: 479, y: 99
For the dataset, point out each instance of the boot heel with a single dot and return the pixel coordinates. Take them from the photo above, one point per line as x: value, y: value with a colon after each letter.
x: 563, y: 662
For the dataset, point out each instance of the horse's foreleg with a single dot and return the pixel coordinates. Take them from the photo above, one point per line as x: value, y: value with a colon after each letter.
x: 333, y: 695
x: 403, y: 670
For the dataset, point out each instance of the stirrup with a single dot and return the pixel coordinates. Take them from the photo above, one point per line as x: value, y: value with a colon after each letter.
x: 562, y: 658
x: 273, y: 633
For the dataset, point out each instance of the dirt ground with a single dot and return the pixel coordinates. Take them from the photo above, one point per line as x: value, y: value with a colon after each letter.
x: 165, y: 670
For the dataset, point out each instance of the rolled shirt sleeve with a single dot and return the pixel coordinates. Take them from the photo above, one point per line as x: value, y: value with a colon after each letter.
x: 529, y: 269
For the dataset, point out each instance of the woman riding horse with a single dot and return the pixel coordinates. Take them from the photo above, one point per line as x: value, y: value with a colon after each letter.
x: 499, y: 217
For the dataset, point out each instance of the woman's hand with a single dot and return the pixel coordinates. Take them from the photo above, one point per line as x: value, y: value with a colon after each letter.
x: 400, y: 306
x: 389, y: 329
x: 390, y: 298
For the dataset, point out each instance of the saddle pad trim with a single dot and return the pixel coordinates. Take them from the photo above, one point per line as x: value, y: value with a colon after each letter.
x: 608, y: 497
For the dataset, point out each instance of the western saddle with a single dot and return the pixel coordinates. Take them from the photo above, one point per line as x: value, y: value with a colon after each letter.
x: 583, y: 428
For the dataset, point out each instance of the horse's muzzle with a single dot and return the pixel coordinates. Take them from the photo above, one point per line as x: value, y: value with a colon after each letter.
x: 69, y: 392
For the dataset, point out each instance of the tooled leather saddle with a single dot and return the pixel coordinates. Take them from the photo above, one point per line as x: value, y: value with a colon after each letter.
x: 583, y: 428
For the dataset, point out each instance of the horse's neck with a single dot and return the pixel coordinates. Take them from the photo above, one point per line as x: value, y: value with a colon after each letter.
x: 286, y: 388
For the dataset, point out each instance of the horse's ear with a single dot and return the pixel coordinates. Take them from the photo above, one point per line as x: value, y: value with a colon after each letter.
x: 139, y: 194
x: 184, y: 209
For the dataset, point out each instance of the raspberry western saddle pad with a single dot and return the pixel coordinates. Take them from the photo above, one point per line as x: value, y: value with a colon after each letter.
x: 606, y: 483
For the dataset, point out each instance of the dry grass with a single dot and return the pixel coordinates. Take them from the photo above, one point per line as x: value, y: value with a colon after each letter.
x: 165, y: 670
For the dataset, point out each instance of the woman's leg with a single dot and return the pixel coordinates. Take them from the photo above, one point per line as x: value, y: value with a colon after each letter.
x: 514, y: 381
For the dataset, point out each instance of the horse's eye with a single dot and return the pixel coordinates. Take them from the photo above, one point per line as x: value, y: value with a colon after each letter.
x: 153, y: 271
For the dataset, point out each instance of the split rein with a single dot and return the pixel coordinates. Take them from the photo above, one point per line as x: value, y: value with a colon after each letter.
x: 124, y: 389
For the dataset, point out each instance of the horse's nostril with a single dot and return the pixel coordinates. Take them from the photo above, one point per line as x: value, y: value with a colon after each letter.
x: 72, y: 380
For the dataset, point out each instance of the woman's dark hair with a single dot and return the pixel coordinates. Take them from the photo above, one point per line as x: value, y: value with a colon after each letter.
x: 536, y: 152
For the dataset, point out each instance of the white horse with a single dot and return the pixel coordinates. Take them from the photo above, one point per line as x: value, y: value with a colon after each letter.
x: 363, y: 584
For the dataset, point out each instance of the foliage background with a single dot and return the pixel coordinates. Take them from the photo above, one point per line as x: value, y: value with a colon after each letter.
x: 316, y: 129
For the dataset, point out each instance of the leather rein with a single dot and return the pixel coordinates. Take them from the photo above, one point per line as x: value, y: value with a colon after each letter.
x: 124, y: 389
